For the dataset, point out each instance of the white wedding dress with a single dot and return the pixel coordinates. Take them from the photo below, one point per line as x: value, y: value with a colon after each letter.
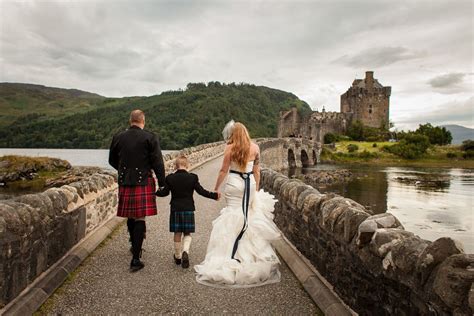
x: 257, y: 263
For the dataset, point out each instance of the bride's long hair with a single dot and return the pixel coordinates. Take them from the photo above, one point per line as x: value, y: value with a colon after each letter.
x: 240, y: 140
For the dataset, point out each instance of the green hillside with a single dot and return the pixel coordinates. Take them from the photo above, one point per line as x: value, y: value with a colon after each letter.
x: 20, y: 102
x: 181, y: 118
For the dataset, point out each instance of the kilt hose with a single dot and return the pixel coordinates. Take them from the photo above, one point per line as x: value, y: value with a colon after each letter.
x: 182, y: 221
x: 137, y: 201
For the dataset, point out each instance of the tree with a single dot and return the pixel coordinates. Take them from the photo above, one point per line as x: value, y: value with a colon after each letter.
x: 437, y: 135
x: 356, y: 131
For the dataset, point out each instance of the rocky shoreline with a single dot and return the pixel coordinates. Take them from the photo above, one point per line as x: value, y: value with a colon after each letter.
x: 21, y: 168
x: 329, y: 177
x: 22, y: 175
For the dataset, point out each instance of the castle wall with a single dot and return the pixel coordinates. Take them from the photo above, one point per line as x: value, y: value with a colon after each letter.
x: 366, y: 100
x: 289, y: 124
x: 369, y: 107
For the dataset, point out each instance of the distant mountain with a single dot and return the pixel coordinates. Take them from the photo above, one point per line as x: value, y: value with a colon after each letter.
x: 21, y: 102
x: 459, y: 133
x: 180, y: 118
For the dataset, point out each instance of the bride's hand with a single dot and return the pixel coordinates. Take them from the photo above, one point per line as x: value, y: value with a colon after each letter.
x: 218, y: 195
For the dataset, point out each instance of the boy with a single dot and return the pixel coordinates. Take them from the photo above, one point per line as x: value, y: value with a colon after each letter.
x: 182, y: 186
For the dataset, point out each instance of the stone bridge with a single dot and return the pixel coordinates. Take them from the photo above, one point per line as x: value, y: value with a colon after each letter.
x: 346, y: 259
x: 284, y: 153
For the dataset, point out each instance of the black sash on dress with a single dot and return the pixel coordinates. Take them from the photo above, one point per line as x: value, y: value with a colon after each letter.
x: 245, y: 207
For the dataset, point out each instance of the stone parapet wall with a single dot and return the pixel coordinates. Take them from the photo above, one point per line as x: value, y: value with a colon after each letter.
x: 374, y: 265
x: 36, y: 230
x: 195, y: 154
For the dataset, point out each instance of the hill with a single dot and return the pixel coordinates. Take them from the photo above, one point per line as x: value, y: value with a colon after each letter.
x: 459, y: 133
x: 29, y: 102
x: 181, y: 118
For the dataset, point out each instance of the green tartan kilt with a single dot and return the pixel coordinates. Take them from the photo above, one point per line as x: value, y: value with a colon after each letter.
x: 182, y: 222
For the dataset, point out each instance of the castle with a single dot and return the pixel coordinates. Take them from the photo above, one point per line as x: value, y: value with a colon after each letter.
x: 366, y: 101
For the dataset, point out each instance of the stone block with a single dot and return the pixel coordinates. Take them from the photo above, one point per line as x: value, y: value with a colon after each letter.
x: 295, y: 192
x: 368, y: 227
x: 278, y: 182
x: 285, y: 189
x: 434, y: 254
x: 351, y: 221
x: 400, y: 262
x: 58, y: 200
x: 385, y: 238
x: 453, y: 282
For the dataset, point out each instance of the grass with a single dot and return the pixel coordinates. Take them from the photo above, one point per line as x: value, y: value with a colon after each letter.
x: 436, y: 156
x: 22, y: 103
x: 45, y: 167
x: 11, y: 163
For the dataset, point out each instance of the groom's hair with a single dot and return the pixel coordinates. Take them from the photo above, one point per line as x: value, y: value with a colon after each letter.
x: 137, y: 116
x: 181, y: 162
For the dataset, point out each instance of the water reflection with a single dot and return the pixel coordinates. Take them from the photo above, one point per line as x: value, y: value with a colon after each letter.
x: 431, y: 202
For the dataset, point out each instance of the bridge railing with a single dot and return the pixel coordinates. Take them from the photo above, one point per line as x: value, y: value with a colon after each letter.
x: 37, y: 230
x: 374, y: 265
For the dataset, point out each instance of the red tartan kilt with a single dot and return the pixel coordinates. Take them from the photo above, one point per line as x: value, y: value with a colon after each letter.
x: 137, y: 201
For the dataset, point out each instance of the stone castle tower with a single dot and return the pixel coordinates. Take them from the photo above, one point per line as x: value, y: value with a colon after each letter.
x: 368, y: 101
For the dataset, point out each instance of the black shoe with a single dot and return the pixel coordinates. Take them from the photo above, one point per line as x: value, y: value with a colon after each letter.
x: 136, y: 265
x: 176, y: 260
x: 185, y: 260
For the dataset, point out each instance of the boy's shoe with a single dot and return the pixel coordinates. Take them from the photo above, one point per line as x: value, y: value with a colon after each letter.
x: 185, y: 260
x: 136, y: 265
x: 177, y: 260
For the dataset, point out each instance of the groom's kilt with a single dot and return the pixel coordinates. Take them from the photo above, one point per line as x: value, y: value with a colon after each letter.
x: 137, y: 201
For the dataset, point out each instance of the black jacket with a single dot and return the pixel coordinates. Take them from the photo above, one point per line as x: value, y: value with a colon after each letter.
x: 134, y: 153
x: 182, y: 185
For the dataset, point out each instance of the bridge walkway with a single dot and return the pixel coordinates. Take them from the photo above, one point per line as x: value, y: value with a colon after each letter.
x: 104, y: 285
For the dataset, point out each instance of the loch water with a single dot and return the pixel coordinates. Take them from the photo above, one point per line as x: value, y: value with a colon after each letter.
x: 431, y: 202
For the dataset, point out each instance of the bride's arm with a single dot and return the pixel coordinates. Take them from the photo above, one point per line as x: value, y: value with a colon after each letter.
x: 224, y: 168
x: 256, y: 168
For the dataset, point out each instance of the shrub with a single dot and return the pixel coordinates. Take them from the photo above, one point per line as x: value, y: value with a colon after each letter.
x: 469, y: 154
x: 412, y: 146
x: 330, y: 138
x: 368, y: 155
x: 373, y: 138
x: 374, y: 145
x: 451, y: 155
x: 352, y: 148
x: 467, y: 145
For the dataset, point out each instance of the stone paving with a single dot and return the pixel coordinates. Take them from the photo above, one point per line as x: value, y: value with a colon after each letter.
x: 104, y: 285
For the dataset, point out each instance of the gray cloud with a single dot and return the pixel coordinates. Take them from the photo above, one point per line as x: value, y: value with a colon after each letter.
x: 446, y: 81
x: 379, y: 57
x: 450, y: 83
x: 453, y: 112
x: 311, y: 48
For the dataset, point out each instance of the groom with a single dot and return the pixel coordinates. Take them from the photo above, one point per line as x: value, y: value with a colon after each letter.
x: 135, y: 152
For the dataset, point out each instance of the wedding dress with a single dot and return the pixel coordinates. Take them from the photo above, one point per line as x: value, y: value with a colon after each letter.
x: 251, y: 261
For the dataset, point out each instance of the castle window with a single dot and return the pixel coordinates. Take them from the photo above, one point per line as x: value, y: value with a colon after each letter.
x: 370, y: 111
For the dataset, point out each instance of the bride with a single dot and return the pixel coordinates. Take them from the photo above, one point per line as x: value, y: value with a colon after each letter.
x: 239, y: 253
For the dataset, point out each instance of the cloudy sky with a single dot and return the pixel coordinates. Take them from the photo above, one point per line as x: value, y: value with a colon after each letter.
x: 315, y: 49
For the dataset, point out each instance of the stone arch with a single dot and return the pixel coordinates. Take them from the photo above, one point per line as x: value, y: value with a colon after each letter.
x: 304, y: 158
x: 291, y: 159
